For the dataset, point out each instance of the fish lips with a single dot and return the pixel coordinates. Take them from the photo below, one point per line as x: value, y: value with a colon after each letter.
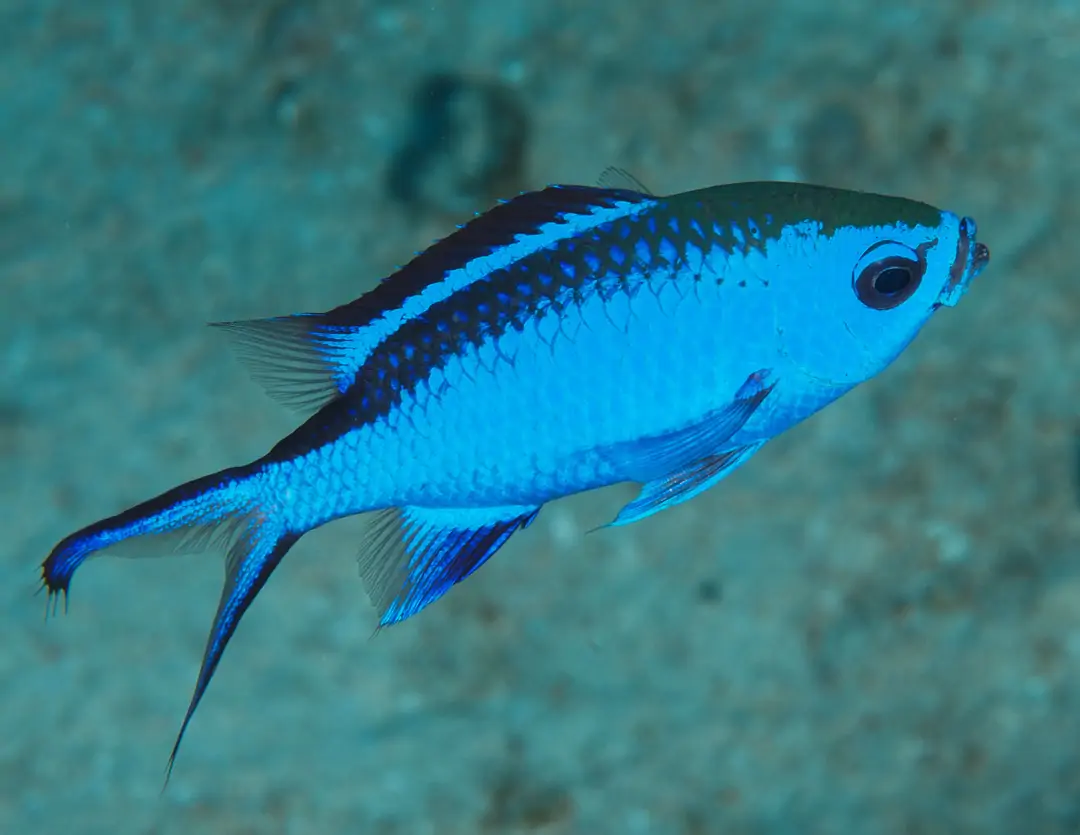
x: 971, y: 259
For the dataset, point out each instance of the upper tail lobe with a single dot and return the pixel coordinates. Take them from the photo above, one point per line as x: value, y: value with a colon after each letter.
x: 229, y: 509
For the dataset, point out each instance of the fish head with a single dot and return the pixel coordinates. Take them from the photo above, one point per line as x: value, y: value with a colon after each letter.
x: 859, y: 280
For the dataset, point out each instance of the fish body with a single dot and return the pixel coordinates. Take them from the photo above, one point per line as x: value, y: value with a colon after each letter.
x: 565, y: 340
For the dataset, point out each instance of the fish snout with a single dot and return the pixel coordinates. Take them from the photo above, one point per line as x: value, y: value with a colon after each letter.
x: 980, y: 258
x: 971, y: 258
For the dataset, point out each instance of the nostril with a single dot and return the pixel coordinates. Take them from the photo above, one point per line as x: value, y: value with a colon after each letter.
x: 980, y: 258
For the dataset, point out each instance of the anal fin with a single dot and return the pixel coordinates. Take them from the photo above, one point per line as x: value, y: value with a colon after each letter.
x: 417, y: 554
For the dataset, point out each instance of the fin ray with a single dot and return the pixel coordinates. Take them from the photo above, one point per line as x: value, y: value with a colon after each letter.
x: 681, y: 486
x: 193, y: 517
x: 619, y: 178
x: 299, y: 360
x: 657, y: 456
x: 250, y: 561
x: 676, y: 466
x: 223, y: 509
x: 415, y: 555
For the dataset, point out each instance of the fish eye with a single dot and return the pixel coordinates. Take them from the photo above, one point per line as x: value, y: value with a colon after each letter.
x: 887, y: 275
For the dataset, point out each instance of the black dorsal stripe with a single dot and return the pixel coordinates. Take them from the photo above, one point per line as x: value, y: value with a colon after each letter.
x: 484, y: 310
x: 483, y: 235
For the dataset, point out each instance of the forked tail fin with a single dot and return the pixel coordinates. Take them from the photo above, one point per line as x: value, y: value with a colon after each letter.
x: 226, y: 510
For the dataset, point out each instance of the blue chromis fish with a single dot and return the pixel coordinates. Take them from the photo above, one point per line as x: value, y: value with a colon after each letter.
x: 567, y: 339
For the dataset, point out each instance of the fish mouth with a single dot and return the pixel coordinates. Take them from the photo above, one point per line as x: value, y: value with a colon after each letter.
x: 971, y: 259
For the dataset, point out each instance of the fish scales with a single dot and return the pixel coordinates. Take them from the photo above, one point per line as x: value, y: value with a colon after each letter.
x: 456, y: 439
x: 567, y: 339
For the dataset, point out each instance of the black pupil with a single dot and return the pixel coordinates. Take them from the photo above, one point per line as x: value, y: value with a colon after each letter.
x: 892, y: 280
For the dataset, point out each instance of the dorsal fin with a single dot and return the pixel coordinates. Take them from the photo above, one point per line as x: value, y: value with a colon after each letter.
x: 620, y: 178
x: 309, y: 360
x: 303, y: 361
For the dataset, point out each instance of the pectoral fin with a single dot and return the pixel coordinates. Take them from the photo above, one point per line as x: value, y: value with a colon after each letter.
x: 645, y: 459
x: 684, y: 484
x: 678, y: 465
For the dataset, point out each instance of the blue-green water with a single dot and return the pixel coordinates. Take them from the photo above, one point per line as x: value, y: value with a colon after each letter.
x: 873, y: 628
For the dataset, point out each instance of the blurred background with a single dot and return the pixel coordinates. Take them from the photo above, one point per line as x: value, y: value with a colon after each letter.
x: 874, y: 628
